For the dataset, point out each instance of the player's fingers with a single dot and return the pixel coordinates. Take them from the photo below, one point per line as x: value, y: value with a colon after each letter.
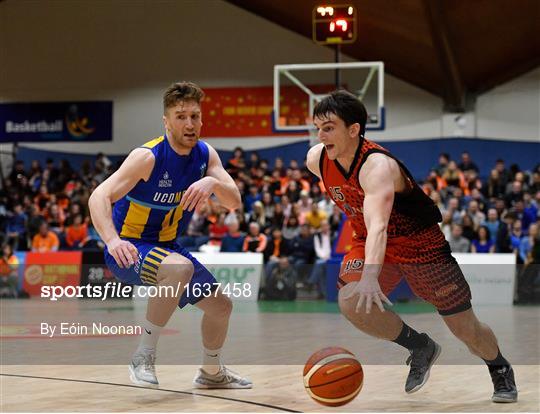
x: 134, y: 252
x: 127, y: 255
x: 385, y: 299
x: 361, y: 300
x: 369, y: 301
x: 378, y: 302
x: 201, y: 203
x: 120, y: 258
x: 186, y: 197
x: 193, y: 200
x: 202, y: 199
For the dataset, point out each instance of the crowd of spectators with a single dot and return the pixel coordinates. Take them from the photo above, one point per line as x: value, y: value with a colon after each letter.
x: 286, y: 215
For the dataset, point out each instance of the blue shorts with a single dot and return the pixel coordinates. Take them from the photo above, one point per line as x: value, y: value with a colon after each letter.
x: 144, y: 272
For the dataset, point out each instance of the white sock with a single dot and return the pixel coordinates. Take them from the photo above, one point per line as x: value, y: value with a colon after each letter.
x: 211, y: 361
x: 149, y: 338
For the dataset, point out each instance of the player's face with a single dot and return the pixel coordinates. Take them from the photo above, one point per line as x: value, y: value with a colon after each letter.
x: 336, y: 136
x: 183, y: 123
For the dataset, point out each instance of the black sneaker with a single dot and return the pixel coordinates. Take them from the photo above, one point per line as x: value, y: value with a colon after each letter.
x: 504, y: 385
x: 421, y: 360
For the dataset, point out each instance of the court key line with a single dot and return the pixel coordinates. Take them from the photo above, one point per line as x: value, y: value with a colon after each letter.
x: 275, y: 407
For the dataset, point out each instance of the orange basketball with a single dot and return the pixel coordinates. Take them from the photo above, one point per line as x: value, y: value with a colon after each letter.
x: 333, y: 376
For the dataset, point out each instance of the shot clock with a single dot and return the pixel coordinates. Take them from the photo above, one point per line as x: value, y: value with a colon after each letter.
x: 335, y: 24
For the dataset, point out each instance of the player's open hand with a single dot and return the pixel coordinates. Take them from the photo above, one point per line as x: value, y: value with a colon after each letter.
x: 369, y: 292
x: 198, y: 193
x: 125, y: 253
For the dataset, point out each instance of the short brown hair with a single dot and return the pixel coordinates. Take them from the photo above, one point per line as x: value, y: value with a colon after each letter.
x: 181, y: 91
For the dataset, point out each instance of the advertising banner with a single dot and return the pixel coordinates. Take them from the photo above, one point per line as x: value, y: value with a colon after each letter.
x: 51, y: 269
x: 56, y: 121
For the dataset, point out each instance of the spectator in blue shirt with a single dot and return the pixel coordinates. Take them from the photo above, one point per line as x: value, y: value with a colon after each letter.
x: 527, y: 243
x: 483, y: 244
x: 492, y: 223
x: 234, y: 239
x: 16, y: 226
x: 251, y: 198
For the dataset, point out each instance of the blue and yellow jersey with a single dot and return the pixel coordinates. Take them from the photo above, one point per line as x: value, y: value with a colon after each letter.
x: 150, y: 211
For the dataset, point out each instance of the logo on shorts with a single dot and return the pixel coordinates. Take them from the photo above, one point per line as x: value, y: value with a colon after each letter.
x: 446, y: 290
x: 165, y: 182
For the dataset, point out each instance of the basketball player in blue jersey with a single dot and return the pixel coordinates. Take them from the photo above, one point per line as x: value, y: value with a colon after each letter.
x: 155, y: 193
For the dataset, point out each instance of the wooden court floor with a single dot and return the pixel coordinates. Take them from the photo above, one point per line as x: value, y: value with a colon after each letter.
x: 458, y: 383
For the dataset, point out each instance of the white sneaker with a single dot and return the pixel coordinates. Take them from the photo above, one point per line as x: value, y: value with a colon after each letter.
x: 225, y: 378
x: 142, y: 370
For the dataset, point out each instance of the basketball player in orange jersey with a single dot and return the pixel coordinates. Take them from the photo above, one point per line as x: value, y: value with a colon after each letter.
x: 395, y: 235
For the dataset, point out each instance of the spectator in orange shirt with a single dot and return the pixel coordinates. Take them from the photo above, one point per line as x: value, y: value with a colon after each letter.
x: 8, y: 273
x: 255, y: 241
x: 45, y: 240
x: 77, y: 233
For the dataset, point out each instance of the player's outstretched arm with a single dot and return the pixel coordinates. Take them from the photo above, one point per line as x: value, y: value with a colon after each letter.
x: 377, y: 180
x: 138, y: 165
x: 312, y: 159
x: 217, y: 181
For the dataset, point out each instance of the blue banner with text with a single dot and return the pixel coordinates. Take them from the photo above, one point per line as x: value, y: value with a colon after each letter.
x: 56, y: 121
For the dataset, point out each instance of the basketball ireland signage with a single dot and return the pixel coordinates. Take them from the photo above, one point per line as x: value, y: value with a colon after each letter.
x: 56, y: 121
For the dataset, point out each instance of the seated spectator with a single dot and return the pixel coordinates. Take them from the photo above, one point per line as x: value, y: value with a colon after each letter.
x: 494, y: 187
x: 436, y: 198
x: 336, y: 219
x: 514, y: 195
x: 281, y: 284
x: 466, y: 163
x: 268, y: 204
x: 454, y: 178
x: 475, y: 214
x: 77, y: 233
x: 291, y: 228
x: 492, y: 223
x: 326, y: 204
x: 218, y: 230
x: 9, y: 278
x: 526, y: 217
x: 454, y: 208
x: 257, y: 215
x: 503, y: 172
x: 503, y: 244
x: 516, y: 235
x: 322, y: 242
x: 251, y: 198
x: 46, y: 240
x: 255, y: 241
x: 530, y: 208
x: 483, y: 244
x: 305, y: 202
x: 276, y: 248
x: 469, y: 230
x: 196, y: 233
x: 16, y: 227
x: 278, y: 217
x: 446, y: 225
x: 303, y: 250
x: 315, y: 217
x: 55, y: 217
x: 234, y: 239
x: 527, y: 243
x: 458, y: 243
x: 444, y: 159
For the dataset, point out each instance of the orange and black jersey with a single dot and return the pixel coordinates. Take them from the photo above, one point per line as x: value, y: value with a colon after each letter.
x: 412, y: 211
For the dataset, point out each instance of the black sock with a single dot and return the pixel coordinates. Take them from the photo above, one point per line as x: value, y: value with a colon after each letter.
x: 498, y: 362
x: 410, y: 339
